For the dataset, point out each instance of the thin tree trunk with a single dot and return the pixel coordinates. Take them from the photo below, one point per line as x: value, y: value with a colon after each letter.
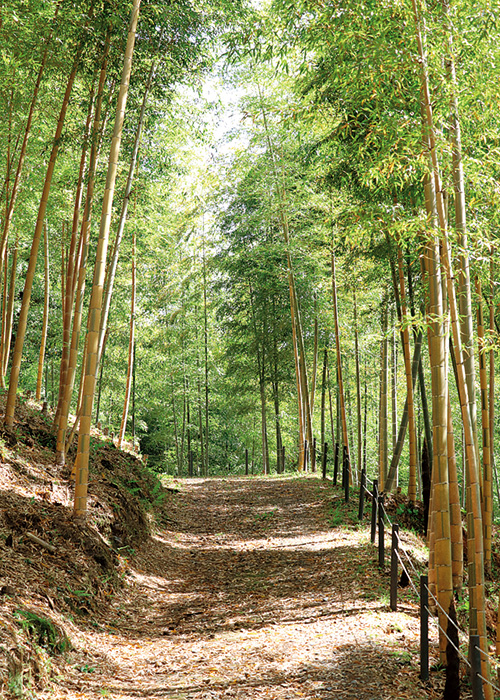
x: 323, y: 398
x: 205, y: 341
x: 315, y: 358
x: 82, y: 459
x: 111, y: 270
x: 358, y: 382
x: 383, y: 432
x: 79, y: 274
x: 101, y: 372
x: 45, y: 320
x: 412, y: 482
x: 403, y: 425
x: 477, y: 616
x: 339, y: 361
x: 131, y: 341
x: 487, y: 491
x: 457, y: 550
x: 176, y: 431
x: 10, y: 313
x: 67, y: 286
x: 24, y: 145
x: 30, y: 274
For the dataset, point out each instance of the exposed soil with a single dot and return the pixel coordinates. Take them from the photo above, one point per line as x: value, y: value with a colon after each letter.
x: 248, y: 592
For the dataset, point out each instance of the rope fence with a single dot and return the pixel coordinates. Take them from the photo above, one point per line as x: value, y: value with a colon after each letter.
x: 400, y: 557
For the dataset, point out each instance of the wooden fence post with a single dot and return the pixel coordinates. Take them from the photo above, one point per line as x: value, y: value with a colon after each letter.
x: 323, y: 460
x: 374, y: 510
x: 394, y: 567
x: 336, y: 464
x: 424, y: 629
x: 246, y: 461
x: 362, y: 488
x: 381, y: 532
x: 283, y: 460
x: 475, y: 668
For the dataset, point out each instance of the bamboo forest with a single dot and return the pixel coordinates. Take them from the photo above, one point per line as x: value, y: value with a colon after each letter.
x: 249, y: 319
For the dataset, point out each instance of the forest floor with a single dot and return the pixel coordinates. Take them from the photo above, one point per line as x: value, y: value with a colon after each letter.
x: 249, y: 592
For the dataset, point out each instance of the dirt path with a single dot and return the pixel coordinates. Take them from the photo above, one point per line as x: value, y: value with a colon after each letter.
x: 249, y: 593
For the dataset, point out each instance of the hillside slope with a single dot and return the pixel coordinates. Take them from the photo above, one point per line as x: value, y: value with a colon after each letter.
x: 43, y: 589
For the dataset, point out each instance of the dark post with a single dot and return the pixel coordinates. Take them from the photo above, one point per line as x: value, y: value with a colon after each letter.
x: 345, y: 477
x: 306, y: 454
x: 374, y: 510
x: 323, y: 460
x: 424, y: 629
x: 283, y: 460
x: 475, y: 668
x: 313, y: 456
x: 246, y: 461
x: 381, y: 532
x: 336, y: 464
x: 394, y: 567
x: 362, y: 488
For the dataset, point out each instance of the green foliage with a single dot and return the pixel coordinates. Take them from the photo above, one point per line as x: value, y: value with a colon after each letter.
x: 43, y: 632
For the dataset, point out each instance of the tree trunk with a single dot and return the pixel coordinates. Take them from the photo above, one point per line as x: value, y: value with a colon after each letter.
x: 45, y: 321
x: 10, y: 314
x: 82, y: 459
x: 339, y: 362
x: 111, y: 270
x: 383, y: 408
x: 67, y: 286
x: 358, y: 383
x: 79, y: 274
x: 412, y: 483
x: 487, y: 491
x: 477, y: 616
x: 131, y: 341
x: 24, y: 145
x: 30, y: 274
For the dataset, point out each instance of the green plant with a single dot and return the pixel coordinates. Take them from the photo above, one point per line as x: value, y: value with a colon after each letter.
x: 265, y: 516
x: 86, y: 669
x: 336, y: 517
x: 43, y: 632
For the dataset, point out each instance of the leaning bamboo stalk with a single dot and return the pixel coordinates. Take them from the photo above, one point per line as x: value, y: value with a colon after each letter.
x: 10, y: 312
x: 477, y: 614
x: 383, y: 403
x: 30, y: 274
x: 464, y: 281
x: 5, y: 301
x: 340, y: 379
x: 45, y: 320
x: 95, y: 306
x: 457, y: 551
x: 68, y: 264
x: 80, y: 267
x: 24, y: 145
x: 128, y: 386
x: 303, y: 398
x: 487, y: 491
x: 358, y: 384
x: 412, y: 482
x: 111, y: 270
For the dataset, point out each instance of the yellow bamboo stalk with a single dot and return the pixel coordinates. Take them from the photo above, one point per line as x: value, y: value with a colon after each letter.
x: 82, y: 458
x: 340, y: 379
x: 412, y: 483
x: 30, y: 274
x: 487, y: 490
x: 45, y: 321
x: 128, y: 387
